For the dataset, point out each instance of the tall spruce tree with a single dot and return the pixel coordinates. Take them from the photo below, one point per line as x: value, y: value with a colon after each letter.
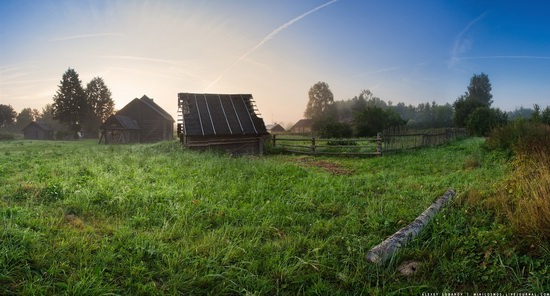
x: 70, y: 106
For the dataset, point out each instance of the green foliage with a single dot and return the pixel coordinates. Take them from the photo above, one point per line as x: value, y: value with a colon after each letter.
x: 374, y: 120
x: 332, y: 129
x: 465, y: 106
x: 320, y: 101
x: 480, y: 89
x: 100, y: 104
x: 424, y: 115
x: 478, y: 96
x: 26, y: 116
x: 520, y: 136
x: 152, y: 219
x: 484, y: 119
x: 7, y: 115
x: 6, y: 136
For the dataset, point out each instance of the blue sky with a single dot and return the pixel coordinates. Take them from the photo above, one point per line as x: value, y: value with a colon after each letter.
x: 403, y: 51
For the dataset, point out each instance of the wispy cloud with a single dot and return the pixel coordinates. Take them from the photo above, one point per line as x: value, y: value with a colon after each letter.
x: 269, y: 37
x: 462, y: 44
x: 85, y: 36
x: 142, y: 59
x: 376, y: 71
x: 515, y: 57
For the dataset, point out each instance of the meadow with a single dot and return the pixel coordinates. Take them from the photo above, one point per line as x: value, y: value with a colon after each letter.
x: 77, y: 218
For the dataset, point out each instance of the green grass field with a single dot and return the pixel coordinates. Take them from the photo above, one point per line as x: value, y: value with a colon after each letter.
x: 78, y: 218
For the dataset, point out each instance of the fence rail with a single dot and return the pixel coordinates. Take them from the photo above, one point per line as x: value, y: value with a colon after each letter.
x: 394, y: 139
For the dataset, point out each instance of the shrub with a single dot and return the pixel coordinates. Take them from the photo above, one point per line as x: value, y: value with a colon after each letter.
x: 6, y: 136
x: 520, y: 136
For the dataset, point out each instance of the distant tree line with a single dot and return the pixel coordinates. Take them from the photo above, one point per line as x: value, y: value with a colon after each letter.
x: 365, y: 115
x: 74, y: 110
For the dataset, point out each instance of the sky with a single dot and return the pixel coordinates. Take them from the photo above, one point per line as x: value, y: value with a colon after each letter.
x: 401, y: 50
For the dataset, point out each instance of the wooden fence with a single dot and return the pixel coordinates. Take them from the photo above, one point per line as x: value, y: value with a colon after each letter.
x: 400, y: 138
x: 392, y: 139
x: 303, y: 145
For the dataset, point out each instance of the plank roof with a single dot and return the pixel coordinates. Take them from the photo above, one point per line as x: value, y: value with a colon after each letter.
x: 219, y: 114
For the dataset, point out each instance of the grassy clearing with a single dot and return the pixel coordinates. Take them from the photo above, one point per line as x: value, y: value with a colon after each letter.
x: 80, y: 218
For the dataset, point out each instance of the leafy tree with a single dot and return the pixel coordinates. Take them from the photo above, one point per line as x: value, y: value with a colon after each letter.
x: 480, y: 89
x: 7, y: 115
x: 374, y: 119
x: 536, y: 116
x: 70, y: 106
x: 331, y: 128
x: 26, y: 116
x: 478, y: 95
x: 545, y: 116
x: 47, y: 117
x: 320, y: 102
x: 100, y: 104
x: 484, y: 119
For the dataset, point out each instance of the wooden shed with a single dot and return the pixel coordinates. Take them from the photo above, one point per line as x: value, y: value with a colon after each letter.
x: 37, y: 130
x: 228, y: 122
x: 141, y: 120
x: 120, y: 129
x: 303, y: 126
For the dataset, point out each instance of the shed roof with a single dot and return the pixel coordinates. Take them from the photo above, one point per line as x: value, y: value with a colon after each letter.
x: 275, y: 127
x: 120, y: 122
x: 149, y: 102
x: 303, y: 123
x: 41, y: 125
x: 219, y: 114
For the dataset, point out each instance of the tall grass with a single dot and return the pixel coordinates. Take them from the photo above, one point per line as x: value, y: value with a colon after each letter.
x: 525, y: 198
x: 79, y: 218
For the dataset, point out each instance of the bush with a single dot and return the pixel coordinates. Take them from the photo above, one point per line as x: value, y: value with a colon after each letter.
x: 520, y: 136
x: 6, y: 136
x: 333, y: 129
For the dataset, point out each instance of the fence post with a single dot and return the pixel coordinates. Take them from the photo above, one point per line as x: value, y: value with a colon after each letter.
x: 379, y: 143
x: 313, y: 144
x: 273, y: 140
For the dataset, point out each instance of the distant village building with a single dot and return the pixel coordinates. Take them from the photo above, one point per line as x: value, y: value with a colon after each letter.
x: 303, y: 126
x: 275, y: 128
x: 37, y: 130
x: 227, y: 122
x: 141, y: 120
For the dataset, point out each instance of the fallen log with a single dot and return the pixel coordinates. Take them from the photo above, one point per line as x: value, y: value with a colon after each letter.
x: 383, y: 251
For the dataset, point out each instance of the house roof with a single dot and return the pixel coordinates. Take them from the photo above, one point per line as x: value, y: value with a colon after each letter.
x: 149, y: 102
x: 219, y: 114
x: 275, y: 127
x: 303, y: 123
x: 42, y: 125
x: 120, y: 122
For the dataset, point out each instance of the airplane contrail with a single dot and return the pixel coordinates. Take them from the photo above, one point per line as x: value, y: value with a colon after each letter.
x: 459, y: 44
x: 269, y: 37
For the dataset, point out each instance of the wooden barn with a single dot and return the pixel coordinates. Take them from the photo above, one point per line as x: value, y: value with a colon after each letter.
x: 141, y: 120
x: 227, y: 122
x: 37, y: 130
x: 303, y: 126
x: 275, y: 128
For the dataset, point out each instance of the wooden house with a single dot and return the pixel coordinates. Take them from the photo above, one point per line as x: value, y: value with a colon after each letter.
x: 227, y: 122
x: 37, y: 130
x: 141, y: 120
x: 275, y: 128
x: 303, y: 126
